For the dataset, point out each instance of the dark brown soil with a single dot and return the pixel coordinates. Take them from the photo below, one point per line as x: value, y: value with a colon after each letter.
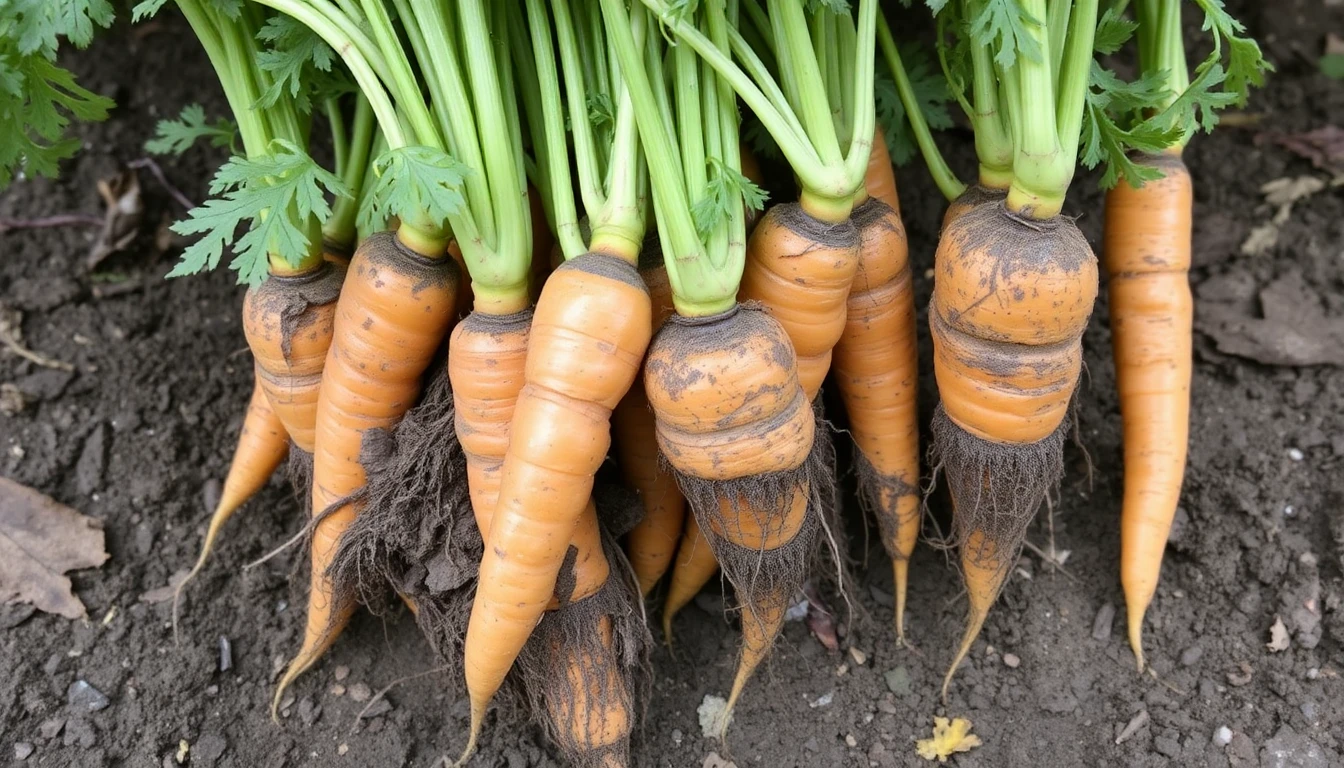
x: 140, y: 435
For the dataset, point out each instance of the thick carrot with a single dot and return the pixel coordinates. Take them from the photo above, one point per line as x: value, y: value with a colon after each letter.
x: 262, y: 445
x: 1147, y: 254
x: 876, y: 370
x: 694, y: 567
x: 288, y: 322
x: 652, y: 543
x: 589, y: 332
x: 801, y: 267
x: 880, y: 180
x: 738, y: 429
x: 1011, y: 300
x: 394, y: 310
x: 974, y: 196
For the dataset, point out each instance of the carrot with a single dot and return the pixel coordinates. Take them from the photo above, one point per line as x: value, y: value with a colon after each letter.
x: 876, y: 371
x: 695, y: 565
x: 393, y: 311
x: 737, y: 427
x: 589, y: 332
x: 652, y: 543
x: 1015, y: 282
x: 801, y: 267
x: 288, y: 322
x: 974, y: 196
x: 1147, y: 254
x: 880, y: 180
x: 262, y: 445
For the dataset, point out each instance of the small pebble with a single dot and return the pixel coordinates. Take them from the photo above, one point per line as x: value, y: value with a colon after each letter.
x: 1313, y: 673
x: 225, y: 654
x: 842, y: 670
x: 82, y: 696
x: 1223, y: 736
x: 308, y: 711
x: 1190, y: 656
x: 811, y: 745
x: 50, y: 729
x: 677, y: 736
x: 22, y: 750
x: 1167, y: 747
x: 898, y: 681
x: 886, y: 706
x: 858, y: 656
x: 1132, y: 727
x: 337, y: 690
x: 1101, y: 626
x: 1309, y: 711
x: 341, y: 750
x: 1011, y: 661
x: 360, y: 692
x: 823, y: 700
x: 1295, y: 454
x: 850, y: 740
x: 212, y: 690
x: 342, y: 672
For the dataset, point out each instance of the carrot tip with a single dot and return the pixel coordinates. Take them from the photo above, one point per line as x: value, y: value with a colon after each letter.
x: 1136, y: 634
x: 477, y: 719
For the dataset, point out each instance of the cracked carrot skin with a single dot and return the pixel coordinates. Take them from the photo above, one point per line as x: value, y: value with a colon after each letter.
x: 1147, y: 244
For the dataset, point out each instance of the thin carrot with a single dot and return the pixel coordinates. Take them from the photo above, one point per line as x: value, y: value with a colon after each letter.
x: 262, y: 446
x: 876, y: 370
x: 695, y: 565
x: 880, y: 180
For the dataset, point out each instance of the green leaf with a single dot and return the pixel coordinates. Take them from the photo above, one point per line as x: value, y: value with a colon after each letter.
x: 38, y: 25
x: 275, y: 195
x: 1332, y: 65
x: 935, y: 5
x: 931, y: 95
x: 601, y: 113
x: 38, y: 100
x: 759, y: 140
x: 420, y: 185
x: 295, y: 54
x: 1113, y: 31
x: 146, y: 9
x: 1104, y: 141
x: 834, y: 6
x: 1002, y: 25
x: 174, y: 137
x: 726, y: 188
x: 1246, y: 65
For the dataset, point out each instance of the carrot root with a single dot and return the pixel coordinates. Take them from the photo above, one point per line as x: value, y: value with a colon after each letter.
x: 694, y: 567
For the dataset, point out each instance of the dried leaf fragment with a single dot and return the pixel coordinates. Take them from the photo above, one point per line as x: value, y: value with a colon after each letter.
x: 40, y: 540
x: 948, y: 739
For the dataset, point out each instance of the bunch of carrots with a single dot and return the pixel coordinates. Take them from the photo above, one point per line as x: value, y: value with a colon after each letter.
x: 543, y: 244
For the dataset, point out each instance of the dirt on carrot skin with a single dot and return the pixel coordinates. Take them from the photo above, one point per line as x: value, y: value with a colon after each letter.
x: 150, y: 417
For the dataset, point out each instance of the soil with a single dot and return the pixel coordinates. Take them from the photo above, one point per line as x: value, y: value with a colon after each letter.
x: 140, y: 435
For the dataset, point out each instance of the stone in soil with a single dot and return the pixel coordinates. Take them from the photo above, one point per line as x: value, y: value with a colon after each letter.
x: 50, y: 729
x: 80, y: 731
x: 898, y: 681
x: 1190, y: 656
x: 360, y: 692
x: 208, y: 749
x: 1290, y: 749
x: 22, y: 750
x: 1101, y: 625
x: 85, y: 698
x: 92, y: 462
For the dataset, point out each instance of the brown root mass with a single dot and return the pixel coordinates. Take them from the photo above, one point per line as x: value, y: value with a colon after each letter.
x: 613, y: 669
x: 875, y: 489
x: 415, y: 533
x: 996, y: 487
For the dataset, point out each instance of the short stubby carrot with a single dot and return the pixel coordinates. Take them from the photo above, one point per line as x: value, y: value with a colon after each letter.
x: 876, y: 370
x: 1011, y: 300
x: 589, y: 333
x: 801, y: 268
x: 289, y: 321
x: 1147, y: 255
x: 736, y: 426
x: 394, y: 310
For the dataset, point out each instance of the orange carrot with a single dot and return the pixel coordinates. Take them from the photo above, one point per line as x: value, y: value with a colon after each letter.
x: 1011, y: 300
x: 393, y: 311
x: 876, y: 370
x: 262, y: 445
x: 589, y: 332
x: 653, y: 541
x: 1147, y: 253
x: 694, y: 567
x: 880, y: 180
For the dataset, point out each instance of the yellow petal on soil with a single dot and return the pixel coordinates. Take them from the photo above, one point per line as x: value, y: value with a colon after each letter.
x: 948, y: 739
